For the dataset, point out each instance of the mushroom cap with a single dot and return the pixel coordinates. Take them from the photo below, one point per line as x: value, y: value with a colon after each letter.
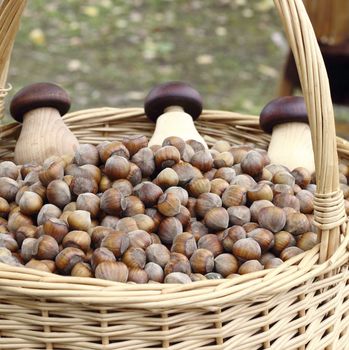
x: 39, y: 95
x: 282, y: 110
x: 172, y: 94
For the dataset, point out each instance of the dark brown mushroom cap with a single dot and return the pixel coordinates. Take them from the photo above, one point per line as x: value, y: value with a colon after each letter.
x: 39, y: 95
x: 172, y: 94
x: 283, y: 110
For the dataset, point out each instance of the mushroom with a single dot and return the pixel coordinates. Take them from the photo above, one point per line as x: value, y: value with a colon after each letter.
x: 287, y: 120
x: 39, y: 107
x: 174, y: 106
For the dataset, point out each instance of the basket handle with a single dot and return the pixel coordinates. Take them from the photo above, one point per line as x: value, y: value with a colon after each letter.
x: 329, y: 212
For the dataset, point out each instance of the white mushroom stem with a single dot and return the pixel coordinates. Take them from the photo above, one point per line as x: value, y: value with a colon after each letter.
x: 43, y: 134
x: 291, y: 146
x: 175, y: 122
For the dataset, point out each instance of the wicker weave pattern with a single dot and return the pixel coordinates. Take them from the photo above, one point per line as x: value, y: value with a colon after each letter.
x: 302, y: 304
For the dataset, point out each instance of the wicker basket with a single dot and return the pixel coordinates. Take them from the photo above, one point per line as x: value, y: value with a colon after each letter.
x: 303, y: 304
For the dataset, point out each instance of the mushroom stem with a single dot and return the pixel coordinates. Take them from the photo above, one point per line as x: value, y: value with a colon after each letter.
x: 291, y: 146
x: 175, y: 122
x: 43, y: 134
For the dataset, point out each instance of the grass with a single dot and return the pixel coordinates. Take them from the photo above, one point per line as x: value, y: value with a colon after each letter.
x: 111, y: 53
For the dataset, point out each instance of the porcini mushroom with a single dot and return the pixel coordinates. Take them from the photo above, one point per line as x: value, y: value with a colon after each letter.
x: 40, y: 107
x: 174, y: 106
x: 287, y: 120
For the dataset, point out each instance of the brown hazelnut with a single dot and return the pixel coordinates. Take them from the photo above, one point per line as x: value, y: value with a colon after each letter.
x: 225, y: 173
x: 51, y: 171
x: 137, y: 276
x: 239, y: 215
x: 134, y: 257
x: 144, y: 222
x: 232, y: 235
x: 112, y: 270
x: 180, y: 193
x: 297, y: 224
x: 4, y: 207
x: 7, y: 241
x: 58, y: 193
x: 197, y: 229
x: 16, y: 220
x: 155, y: 215
x: 239, y: 152
x: 212, y: 243
x: 175, y: 142
x: 140, y: 239
x: 272, y: 218
x: 217, y: 219
x: 244, y: 181
x: 177, y: 277
x: 223, y: 159
x: 169, y: 204
x: 226, y: 264
x: 8, y: 188
x: 168, y: 229
x: 205, y: 202
x: 307, y: 241
x: 134, y: 143
x: 266, y: 257
x: 82, y: 269
x: 167, y: 178
x: 263, y: 237
x: 88, y: 202
x: 183, y: 216
x: 117, y: 242
x: 177, y: 263
x: 30, y: 203
x: 79, y: 220
x: 86, y: 154
x: 186, y: 172
x: 188, y: 153
x: 184, y: 243
x: 97, y: 235
x: 158, y: 253
x: 77, y: 239
x: 124, y: 186
x: 198, y: 186
x: 101, y: 255
x: 247, y: 249
x: 27, y: 248
x: 197, y: 277
x: 112, y: 202
x: 290, y: 252
x: 250, y: 266
x: 252, y: 163
x: 261, y: 191
x: 191, y: 205
x: 202, y: 160
x: 202, y: 261
x: 26, y: 231
x: 56, y: 228
x: 306, y: 199
x: 45, y: 248
x: 166, y: 157
x: 218, y: 186
x: 9, y: 169
x: 196, y: 145
x: 283, y: 200
x: 133, y: 206
x: 105, y: 184
x: 210, y: 174
x: 233, y: 196
x: 81, y: 184
x: 117, y: 167
x: 110, y: 221
x: 282, y: 240
x: 148, y: 193
x: 37, y: 265
x: 283, y: 188
x: 302, y: 176
x: 107, y: 149
x: 154, y: 272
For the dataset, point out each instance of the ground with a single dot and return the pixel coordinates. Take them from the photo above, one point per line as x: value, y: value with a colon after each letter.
x: 112, y: 52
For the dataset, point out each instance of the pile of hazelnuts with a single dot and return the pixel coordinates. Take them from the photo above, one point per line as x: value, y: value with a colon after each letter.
x: 175, y: 213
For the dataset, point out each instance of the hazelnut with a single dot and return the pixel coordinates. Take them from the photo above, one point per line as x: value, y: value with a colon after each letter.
x: 297, y: 224
x: 244, y: 181
x: 198, y: 186
x: 105, y: 184
x: 112, y: 270
x: 134, y: 257
x: 202, y: 160
x: 117, y: 167
x: 148, y: 193
x: 83, y: 184
x: 177, y: 277
x: 232, y: 235
x: 239, y: 215
x: 154, y: 272
x: 107, y: 149
x: 45, y: 248
x: 167, y: 178
x: 37, y: 265
x: 110, y: 221
x: 290, y: 252
x: 117, y: 242
x: 101, y: 255
x: 197, y: 229
x: 124, y: 186
x: 213, y: 276
x: 205, y: 202
x: 302, y: 176
x: 221, y: 146
x: 9, y: 169
x: 282, y: 240
x: 210, y: 174
x: 55, y: 228
x: 168, y: 229
x: 250, y: 266
x: 197, y: 277
x: 263, y: 237
x: 139, y: 239
x: 177, y: 263
x: 135, y: 143
x: 247, y: 249
x: 273, y: 263
x: 98, y: 233
x: 38, y: 188
x: 88, y: 202
x: 217, y: 219
x: 68, y: 258
x: 16, y: 220
x: 307, y: 241
x: 7, y: 241
x: 58, y: 193
x: 112, y: 202
x: 27, y: 248
x: 30, y: 203
x: 233, y: 196
x: 180, y: 193
x: 155, y: 216
x: 266, y: 257
x: 196, y: 145
x: 79, y: 220
x: 283, y: 177
x: 126, y: 225
x: 282, y: 188
x: 239, y: 152
x: 223, y: 159
x: 252, y: 163
x: 283, y: 200
x: 225, y: 173
x: 8, y: 188
x: 261, y: 191
x: 4, y: 207
x: 133, y: 206
x: 186, y: 172
x: 77, y: 239
x: 144, y: 222
x: 137, y: 275
x: 226, y: 264
x: 51, y: 171
x: 82, y: 269
x: 188, y: 153
x: 272, y: 218
x: 218, y: 186
x: 184, y: 243
x: 158, y: 253
x: 86, y: 154
x: 169, y: 204
x: 166, y: 157
x: 175, y: 142
x: 306, y: 199
x: 191, y: 205
x: 202, y: 261
x: 26, y: 231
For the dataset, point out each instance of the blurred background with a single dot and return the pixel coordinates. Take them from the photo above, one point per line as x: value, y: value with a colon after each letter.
x: 112, y: 52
